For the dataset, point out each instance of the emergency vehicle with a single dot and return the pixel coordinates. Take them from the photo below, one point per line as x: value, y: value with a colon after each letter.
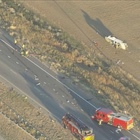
x: 77, y: 127
x: 120, y: 120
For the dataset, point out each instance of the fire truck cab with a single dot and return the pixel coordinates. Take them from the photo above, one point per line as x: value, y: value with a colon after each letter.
x: 77, y: 127
x: 120, y: 120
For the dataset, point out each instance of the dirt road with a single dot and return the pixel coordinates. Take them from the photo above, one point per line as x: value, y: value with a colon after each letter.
x: 90, y: 21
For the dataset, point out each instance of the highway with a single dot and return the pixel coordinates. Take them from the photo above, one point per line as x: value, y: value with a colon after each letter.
x: 51, y: 91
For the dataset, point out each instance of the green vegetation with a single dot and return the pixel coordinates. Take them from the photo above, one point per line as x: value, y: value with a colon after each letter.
x: 115, y: 87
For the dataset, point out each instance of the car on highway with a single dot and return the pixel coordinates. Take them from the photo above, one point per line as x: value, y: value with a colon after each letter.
x: 124, y: 138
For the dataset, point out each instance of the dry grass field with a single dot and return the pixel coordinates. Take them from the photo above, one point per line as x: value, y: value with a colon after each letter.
x: 90, y: 21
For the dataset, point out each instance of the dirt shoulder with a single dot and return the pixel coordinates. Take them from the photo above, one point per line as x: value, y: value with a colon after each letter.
x: 19, y: 119
x: 10, y: 131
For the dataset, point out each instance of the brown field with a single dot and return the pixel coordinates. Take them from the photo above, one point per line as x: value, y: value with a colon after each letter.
x: 90, y: 21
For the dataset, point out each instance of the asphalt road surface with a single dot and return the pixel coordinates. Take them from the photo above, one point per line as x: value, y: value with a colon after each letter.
x: 50, y: 90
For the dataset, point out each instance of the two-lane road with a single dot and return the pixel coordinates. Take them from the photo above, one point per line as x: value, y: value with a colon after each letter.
x: 51, y: 91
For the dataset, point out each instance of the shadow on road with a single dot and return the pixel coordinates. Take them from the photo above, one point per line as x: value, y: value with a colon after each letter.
x: 43, y: 97
x: 97, y: 25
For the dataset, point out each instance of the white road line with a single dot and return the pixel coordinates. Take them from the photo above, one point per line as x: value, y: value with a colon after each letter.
x: 13, y: 71
x: 7, y: 44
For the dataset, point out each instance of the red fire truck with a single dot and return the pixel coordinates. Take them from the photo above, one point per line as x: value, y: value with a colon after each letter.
x: 120, y: 120
x: 77, y: 127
